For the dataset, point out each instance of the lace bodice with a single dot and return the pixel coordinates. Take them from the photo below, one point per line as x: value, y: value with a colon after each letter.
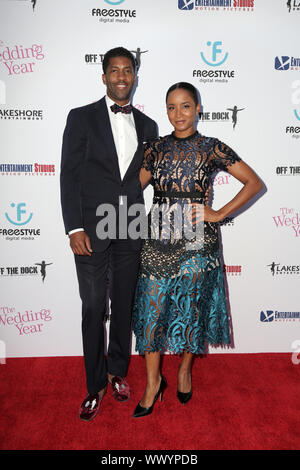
x: 186, y: 164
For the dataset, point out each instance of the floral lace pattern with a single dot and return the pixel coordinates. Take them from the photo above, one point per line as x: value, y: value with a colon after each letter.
x: 180, y: 301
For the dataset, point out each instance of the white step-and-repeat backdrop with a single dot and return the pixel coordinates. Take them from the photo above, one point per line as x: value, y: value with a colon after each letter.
x: 244, y: 58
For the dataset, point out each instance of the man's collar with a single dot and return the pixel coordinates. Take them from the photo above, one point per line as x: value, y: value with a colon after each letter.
x: 110, y: 102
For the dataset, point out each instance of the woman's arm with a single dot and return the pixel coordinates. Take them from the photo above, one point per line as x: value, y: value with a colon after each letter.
x: 145, y: 177
x: 252, y: 185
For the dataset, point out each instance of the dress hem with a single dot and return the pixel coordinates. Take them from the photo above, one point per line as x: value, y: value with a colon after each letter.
x: 173, y: 351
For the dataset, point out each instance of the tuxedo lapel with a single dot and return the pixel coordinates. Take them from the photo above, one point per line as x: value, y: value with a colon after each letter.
x: 139, y: 127
x: 103, y: 124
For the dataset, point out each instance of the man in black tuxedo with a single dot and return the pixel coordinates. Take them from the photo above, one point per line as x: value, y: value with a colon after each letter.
x: 102, y: 154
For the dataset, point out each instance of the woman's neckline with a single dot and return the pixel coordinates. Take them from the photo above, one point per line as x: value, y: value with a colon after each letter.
x: 184, y: 138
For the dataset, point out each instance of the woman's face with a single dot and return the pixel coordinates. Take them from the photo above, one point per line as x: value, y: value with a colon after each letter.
x: 182, y: 112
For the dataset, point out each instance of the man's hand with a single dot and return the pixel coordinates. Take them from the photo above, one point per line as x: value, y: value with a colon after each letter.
x: 80, y: 243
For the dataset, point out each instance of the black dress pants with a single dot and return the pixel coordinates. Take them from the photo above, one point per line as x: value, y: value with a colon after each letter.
x: 119, y: 264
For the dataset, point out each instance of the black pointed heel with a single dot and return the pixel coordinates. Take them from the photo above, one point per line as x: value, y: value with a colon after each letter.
x: 184, y: 397
x: 140, y: 411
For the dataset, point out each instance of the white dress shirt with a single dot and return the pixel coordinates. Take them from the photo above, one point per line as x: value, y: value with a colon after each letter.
x: 125, y: 138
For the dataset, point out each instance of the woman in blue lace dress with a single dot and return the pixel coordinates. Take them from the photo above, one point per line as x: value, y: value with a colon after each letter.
x: 180, y: 297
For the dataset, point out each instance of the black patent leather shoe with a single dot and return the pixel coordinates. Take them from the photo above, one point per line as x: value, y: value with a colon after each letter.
x: 184, y: 397
x: 140, y: 411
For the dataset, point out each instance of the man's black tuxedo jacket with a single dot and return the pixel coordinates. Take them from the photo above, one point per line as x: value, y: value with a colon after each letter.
x: 90, y: 172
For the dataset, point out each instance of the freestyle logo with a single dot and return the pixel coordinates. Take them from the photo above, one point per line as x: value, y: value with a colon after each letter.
x: 214, y: 57
x: 296, y: 97
x: 116, y: 2
x: 215, y: 51
x: 110, y: 15
x: 20, y: 211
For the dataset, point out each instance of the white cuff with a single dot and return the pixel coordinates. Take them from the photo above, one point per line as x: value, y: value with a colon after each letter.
x: 76, y: 230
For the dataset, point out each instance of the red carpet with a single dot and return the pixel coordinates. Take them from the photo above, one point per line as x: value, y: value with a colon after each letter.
x: 240, y: 401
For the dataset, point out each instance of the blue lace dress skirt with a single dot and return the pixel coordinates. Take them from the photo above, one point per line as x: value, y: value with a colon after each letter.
x: 180, y: 302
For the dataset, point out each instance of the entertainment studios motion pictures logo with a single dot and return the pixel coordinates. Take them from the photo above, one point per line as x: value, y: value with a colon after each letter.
x: 286, y: 63
x: 112, y: 14
x: 27, y: 169
x: 268, y: 316
x: 216, y: 5
x: 214, y: 56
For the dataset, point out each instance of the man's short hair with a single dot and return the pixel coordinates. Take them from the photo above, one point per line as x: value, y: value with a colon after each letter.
x: 117, y: 52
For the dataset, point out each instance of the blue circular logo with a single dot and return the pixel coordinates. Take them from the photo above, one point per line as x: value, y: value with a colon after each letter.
x: 111, y: 2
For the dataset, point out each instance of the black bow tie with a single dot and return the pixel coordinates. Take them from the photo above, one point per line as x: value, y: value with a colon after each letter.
x: 121, y: 109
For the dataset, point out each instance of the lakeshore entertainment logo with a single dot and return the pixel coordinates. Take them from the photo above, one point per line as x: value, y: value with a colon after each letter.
x: 21, y: 114
x: 279, y: 269
x: 214, y: 56
x: 38, y: 269
x: 288, y: 219
x: 222, y: 116
x: 287, y: 63
x: 18, y: 216
x: 19, y: 60
x: 232, y: 270
x: 113, y: 15
x: 97, y: 59
x: 27, y: 169
x: 27, y: 322
x: 217, y: 5
x: 268, y: 316
x: 293, y: 5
